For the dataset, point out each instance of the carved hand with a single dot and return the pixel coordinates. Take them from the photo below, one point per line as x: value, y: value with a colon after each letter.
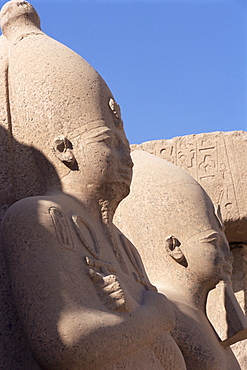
x: 112, y: 293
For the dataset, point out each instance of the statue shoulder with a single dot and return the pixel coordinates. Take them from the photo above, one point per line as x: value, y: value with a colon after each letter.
x: 35, y: 220
x: 28, y: 212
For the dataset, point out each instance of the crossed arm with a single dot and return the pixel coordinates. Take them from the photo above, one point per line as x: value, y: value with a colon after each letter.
x: 65, y: 318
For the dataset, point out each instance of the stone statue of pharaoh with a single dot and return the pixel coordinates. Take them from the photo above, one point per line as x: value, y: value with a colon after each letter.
x: 180, y: 237
x: 81, y: 293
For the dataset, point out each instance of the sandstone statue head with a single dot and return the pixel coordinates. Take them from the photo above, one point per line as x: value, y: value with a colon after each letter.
x: 174, y: 225
x: 62, y: 108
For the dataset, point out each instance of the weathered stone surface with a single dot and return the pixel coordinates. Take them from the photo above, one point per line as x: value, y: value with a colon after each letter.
x: 79, y: 295
x: 217, y: 161
x: 217, y: 313
x: 14, y: 352
x: 82, y: 295
x: 5, y: 170
x: 179, y: 234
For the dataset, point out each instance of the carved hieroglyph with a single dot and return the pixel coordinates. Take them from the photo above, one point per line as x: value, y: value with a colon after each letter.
x: 81, y: 292
x: 217, y: 161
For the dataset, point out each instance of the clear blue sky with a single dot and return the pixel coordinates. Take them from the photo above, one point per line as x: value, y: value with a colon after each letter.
x: 175, y: 67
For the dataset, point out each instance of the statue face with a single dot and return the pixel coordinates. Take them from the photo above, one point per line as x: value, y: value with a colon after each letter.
x: 103, y: 156
x: 209, y: 257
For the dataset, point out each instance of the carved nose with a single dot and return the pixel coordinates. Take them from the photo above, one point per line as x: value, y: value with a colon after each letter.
x: 129, y: 161
x: 126, y: 160
x: 125, y: 155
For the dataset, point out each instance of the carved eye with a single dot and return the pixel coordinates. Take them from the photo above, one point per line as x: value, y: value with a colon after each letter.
x: 110, y: 139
